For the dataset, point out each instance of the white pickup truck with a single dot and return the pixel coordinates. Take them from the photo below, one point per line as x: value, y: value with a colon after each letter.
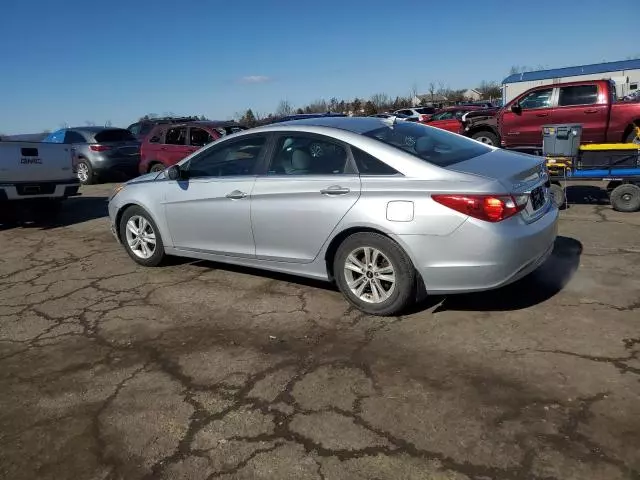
x: 36, y: 172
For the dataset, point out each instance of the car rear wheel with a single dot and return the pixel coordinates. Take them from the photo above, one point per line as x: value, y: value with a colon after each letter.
x: 488, y: 138
x: 85, y: 172
x: 156, y: 167
x: 625, y: 198
x: 375, y: 274
x: 141, y: 238
x: 633, y: 136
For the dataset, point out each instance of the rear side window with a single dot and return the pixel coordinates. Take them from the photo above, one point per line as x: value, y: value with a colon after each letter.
x: 114, y: 135
x: 176, y: 136
x: 370, y: 165
x: 578, y: 95
x: 74, y: 137
x: 425, y: 110
x: 430, y: 144
x: 199, y: 137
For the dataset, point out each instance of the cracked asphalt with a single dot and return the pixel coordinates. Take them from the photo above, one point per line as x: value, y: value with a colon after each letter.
x: 195, y: 370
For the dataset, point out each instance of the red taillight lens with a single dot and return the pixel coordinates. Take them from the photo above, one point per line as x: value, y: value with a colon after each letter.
x: 99, y: 148
x: 491, y: 208
x: 423, y: 118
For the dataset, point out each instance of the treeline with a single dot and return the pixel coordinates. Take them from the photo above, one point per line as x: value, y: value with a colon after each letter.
x: 378, y: 103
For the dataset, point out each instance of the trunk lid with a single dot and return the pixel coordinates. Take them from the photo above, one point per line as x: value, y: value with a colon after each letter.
x: 518, y: 173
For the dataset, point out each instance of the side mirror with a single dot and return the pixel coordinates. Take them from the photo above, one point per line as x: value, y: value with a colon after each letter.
x: 516, y: 108
x: 174, y: 173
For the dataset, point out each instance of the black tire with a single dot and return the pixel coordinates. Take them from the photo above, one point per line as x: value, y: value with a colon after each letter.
x: 403, y: 293
x: 158, y: 254
x: 558, y: 195
x: 632, y: 137
x: 486, y: 137
x: 625, y: 198
x: 156, y: 167
x: 90, y: 175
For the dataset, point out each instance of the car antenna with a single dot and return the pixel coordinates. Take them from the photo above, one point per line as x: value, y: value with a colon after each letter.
x: 391, y: 120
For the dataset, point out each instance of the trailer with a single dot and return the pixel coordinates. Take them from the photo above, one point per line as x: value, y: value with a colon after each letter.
x: 618, y: 164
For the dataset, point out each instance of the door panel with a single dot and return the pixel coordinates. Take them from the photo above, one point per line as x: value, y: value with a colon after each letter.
x: 202, y: 216
x: 291, y: 218
x: 525, y: 128
x: 451, y: 125
x: 581, y: 104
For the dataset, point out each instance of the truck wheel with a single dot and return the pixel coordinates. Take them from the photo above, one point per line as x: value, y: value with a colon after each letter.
x: 486, y: 137
x: 633, y: 137
x: 625, y: 198
x: 85, y: 172
x: 557, y: 195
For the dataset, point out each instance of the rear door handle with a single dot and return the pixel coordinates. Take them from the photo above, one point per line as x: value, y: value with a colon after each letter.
x: 542, y: 114
x: 335, y: 190
x: 236, y: 195
x: 591, y: 111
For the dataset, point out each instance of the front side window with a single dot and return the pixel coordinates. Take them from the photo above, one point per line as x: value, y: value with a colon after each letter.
x: 176, y: 136
x: 429, y: 144
x: 537, y: 99
x: 307, y: 155
x: 447, y: 115
x: 199, y: 137
x: 578, y: 95
x: 232, y: 158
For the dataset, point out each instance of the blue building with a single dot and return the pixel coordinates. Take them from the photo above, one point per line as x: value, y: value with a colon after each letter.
x: 625, y: 74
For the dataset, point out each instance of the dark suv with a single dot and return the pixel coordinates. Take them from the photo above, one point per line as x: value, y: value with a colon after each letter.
x: 142, y: 127
x: 166, y: 145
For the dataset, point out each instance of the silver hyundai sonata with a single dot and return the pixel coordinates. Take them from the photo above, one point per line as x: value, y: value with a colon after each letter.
x: 380, y: 207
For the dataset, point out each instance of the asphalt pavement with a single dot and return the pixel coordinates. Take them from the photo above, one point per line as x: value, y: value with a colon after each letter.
x: 196, y: 370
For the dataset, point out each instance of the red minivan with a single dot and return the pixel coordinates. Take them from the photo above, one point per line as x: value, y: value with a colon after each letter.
x: 167, y: 144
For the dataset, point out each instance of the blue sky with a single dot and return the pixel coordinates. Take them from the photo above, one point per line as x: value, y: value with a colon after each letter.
x: 75, y: 61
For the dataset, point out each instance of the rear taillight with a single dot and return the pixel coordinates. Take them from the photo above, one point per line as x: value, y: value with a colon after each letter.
x: 491, y: 208
x: 423, y: 118
x: 99, y: 148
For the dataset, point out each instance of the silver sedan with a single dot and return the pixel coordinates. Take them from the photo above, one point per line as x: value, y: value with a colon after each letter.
x: 381, y: 208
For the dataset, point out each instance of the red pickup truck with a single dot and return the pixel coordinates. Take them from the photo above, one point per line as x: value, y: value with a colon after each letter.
x: 518, y: 125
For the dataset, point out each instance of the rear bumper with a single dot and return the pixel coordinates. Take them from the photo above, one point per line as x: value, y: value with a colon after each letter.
x: 126, y: 165
x: 482, y: 256
x: 22, y: 191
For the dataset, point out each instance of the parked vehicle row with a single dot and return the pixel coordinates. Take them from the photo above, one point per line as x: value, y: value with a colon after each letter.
x: 382, y: 208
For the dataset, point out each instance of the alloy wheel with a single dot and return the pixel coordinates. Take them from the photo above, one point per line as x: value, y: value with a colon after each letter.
x: 83, y: 172
x: 370, y: 275
x: 140, y: 237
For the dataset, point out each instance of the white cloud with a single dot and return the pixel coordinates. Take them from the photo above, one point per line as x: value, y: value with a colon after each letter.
x: 255, y: 79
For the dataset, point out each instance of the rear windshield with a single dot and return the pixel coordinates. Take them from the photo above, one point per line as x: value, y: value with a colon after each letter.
x: 425, y: 110
x: 114, y: 135
x: 430, y: 144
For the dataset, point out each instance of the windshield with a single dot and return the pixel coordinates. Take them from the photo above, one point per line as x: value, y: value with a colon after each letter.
x: 114, y: 135
x: 432, y: 145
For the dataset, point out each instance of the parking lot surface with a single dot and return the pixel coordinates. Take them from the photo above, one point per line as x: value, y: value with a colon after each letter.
x: 195, y: 370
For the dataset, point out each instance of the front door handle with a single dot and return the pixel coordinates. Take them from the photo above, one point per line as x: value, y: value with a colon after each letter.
x: 335, y: 190
x: 236, y: 195
x: 591, y: 111
x: 542, y: 114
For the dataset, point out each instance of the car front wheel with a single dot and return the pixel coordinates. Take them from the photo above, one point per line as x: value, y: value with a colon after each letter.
x: 141, y: 238
x: 375, y: 274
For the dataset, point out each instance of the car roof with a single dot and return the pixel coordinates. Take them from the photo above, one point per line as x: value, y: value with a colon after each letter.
x: 352, y: 124
x: 92, y: 129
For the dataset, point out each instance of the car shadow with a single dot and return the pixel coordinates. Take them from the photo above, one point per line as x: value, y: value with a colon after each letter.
x: 586, y: 195
x: 545, y: 282
x: 541, y: 285
x: 72, y: 211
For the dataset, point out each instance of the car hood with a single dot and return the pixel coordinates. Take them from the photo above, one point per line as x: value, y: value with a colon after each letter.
x: 147, y: 177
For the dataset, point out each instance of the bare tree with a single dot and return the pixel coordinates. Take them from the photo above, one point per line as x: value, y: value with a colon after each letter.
x: 108, y: 123
x: 380, y: 100
x: 284, y: 108
x: 432, y: 91
x: 90, y: 123
x: 413, y: 93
